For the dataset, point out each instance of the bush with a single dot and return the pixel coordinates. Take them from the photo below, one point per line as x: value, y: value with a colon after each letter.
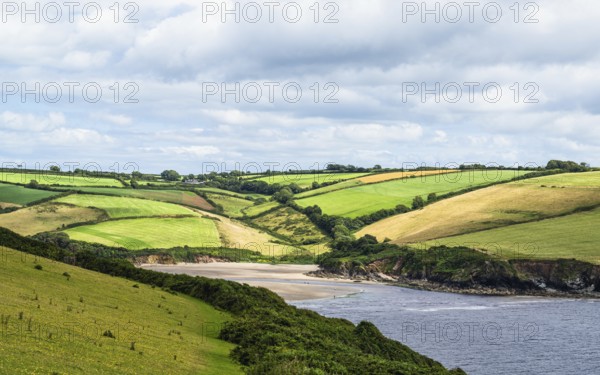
x: 108, y: 334
x: 38, y: 267
x: 418, y: 203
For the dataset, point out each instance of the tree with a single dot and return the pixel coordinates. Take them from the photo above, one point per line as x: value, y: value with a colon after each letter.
x: 431, y: 197
x: 33, y: 184
x: 569, y: 166
x: 377, y: 166
x: 315, y: 185
x: 55, y: 168
x: 134, y: 184
x: 418, y: 203
x: 170, y: 175
x: 284, y: 195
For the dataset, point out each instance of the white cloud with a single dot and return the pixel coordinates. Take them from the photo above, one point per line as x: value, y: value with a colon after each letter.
x: 29, y: 122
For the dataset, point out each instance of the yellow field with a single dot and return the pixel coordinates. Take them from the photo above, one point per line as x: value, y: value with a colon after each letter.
x: 397, y: 175
x: 487, y: 208
x: 47, y: 217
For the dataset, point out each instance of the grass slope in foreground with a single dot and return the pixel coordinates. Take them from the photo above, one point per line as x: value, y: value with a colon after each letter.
x: 45, y: 178
x: 150, y: 233
x: 495, y: 206
x: 186, y: 198
x: 572, y: 236
x: 366, y: 199
x: 120, y: 207
x: 54, y: 324
x: 20, y: 195
x: 47, y: 217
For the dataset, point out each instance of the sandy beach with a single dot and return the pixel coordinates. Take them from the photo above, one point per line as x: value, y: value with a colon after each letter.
x: 287, y: 280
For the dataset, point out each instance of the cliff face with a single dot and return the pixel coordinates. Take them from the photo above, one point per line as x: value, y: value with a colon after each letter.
x: 489, y: 276
x: 563, y: 275
x: 169, y: 259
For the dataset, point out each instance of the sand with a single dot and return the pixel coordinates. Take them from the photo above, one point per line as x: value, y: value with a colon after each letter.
x: 288, y: 281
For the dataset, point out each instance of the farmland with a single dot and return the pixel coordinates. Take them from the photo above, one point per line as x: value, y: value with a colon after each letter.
x: 366, y: 199
x: 47, y: 217
x: 230, y: 193
x: 487, y: 208
x: 306, y: 180
x: 232, y: 206
x: 46, y: 178
x: 236, y: 235
x: 287, y: 222
x: 572, y: 236
x: 150, y: 233
x: 56, y: 317
x: 382, y: 177
x: 121, y: 207
x: 183, y: 197
x: 20, y: 195
x: 253, y: 211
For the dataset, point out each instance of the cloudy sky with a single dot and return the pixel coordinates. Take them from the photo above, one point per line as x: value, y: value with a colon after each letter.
x: 187, y: 84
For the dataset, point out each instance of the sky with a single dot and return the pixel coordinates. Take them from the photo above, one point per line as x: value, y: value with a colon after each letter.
x: 216, y: 86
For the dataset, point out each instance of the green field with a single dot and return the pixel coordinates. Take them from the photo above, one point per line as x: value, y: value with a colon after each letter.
x: 306, y: 180
x: 187, y: 198
x: 232, y: 206
x: 21, y: 195
x: 163, y: 233
x: 492, y: 207
x: 572, y: 236
x: 121, y: 207
x: 586, y: 179
x: 253, y: 211
x: 366, y: 199
x: 46, y: 178
x: 289, y: 223
x: 230, y: 193
x: 54, y: 324
x: 326, y: 189
x: 47, y: 217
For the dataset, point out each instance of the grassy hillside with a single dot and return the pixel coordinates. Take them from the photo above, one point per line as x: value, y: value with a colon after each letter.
x: 237, y: 235
x: 573, y: 236
x: 230, y: 193
x: 306, y: 180
x: 369, y: 179
x: 120, y: 207
x: 232, y: 206
x: 150, y: 233
x: 382, y: 177
x: 369, y: 198
x: 20, y: 195
x: 47, y: 217
x: 187, y: 198
x: 53, y: 321
x: 271, y: 336
x: 581, y: 180
x: 292, y: 224
x: 491, y: 207
x: 253, y: 211
x: 46, y: 178
x: 326, y: 189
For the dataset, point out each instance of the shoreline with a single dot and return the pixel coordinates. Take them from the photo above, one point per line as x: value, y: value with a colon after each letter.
x: 294, y: 282
x: 430, y: 286
x: 289, y: 281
